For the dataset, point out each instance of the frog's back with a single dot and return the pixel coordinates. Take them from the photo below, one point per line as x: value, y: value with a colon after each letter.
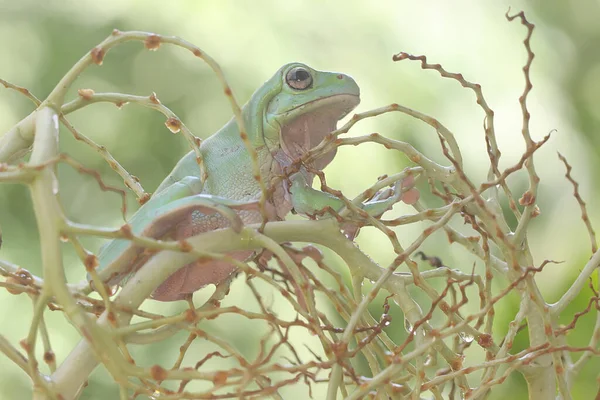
x: 228, y: 166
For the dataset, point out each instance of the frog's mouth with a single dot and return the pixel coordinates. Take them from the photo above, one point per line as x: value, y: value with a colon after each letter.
x: 314, y: 121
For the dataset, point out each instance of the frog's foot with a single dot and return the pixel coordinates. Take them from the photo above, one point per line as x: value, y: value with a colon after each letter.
x: 410, y: 194
x: 383, y: 201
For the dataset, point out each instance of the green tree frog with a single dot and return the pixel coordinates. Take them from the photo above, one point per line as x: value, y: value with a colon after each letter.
x: 291, y: 113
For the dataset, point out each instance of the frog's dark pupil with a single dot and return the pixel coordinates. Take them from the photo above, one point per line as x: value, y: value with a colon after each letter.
x: 299, y: 78
x: 300, y: 75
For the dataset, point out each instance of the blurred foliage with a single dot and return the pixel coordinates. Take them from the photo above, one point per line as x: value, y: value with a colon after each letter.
x: 39, y: 41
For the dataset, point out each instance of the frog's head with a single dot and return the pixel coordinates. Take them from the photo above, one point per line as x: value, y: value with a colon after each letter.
x: 303, y: 106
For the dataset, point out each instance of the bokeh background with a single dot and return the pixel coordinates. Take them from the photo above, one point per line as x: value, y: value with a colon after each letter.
x: 40, y: 41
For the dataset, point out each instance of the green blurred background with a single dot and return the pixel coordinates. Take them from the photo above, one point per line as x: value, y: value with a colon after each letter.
x: 40, y: 41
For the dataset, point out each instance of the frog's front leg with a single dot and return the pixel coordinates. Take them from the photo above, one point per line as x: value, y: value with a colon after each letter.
x: 309, y: 201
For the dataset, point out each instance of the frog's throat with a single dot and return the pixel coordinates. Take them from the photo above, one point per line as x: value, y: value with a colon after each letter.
x: 313, y: 122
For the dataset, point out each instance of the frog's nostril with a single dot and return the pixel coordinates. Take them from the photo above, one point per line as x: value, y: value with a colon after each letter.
x: 340, y: 76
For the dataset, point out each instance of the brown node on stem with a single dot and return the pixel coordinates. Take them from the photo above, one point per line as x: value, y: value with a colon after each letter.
x: 190, y: 316
x: 126, y: 231
x: 97, y: 54
x: 457, y: 363
x: 339, y: 349
x: 153, y: 98
x: 24, y: 345
x: 527, y: 199
x: 49, y: 357
x: 142, y: 200
x: 14, y: 290
x: 220, y: 378
x: 85, y: 94
x: 152, y: 42
x: 112, y: 318
x: 158, y: 373
x: 21, y: 277
x: 485, y: 340
x: 173, y: 124
x: 185, y: 246
x: 91, y: 262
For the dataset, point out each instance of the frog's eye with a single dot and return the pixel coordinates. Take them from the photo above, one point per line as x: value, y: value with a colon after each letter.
x: 299, y: 78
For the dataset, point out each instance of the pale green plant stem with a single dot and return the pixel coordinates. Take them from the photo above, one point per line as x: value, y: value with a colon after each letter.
x: 39, y: 385
x: 49, y: 217
x: 17, y: 141
x: 46, y: 342
x: 15, y: 356
x: 582, y: 279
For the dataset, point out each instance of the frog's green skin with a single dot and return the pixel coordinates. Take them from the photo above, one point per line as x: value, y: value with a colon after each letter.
x: 282, y: 122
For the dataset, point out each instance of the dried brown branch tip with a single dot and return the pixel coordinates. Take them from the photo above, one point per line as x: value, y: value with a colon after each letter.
x: 423, y: 326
